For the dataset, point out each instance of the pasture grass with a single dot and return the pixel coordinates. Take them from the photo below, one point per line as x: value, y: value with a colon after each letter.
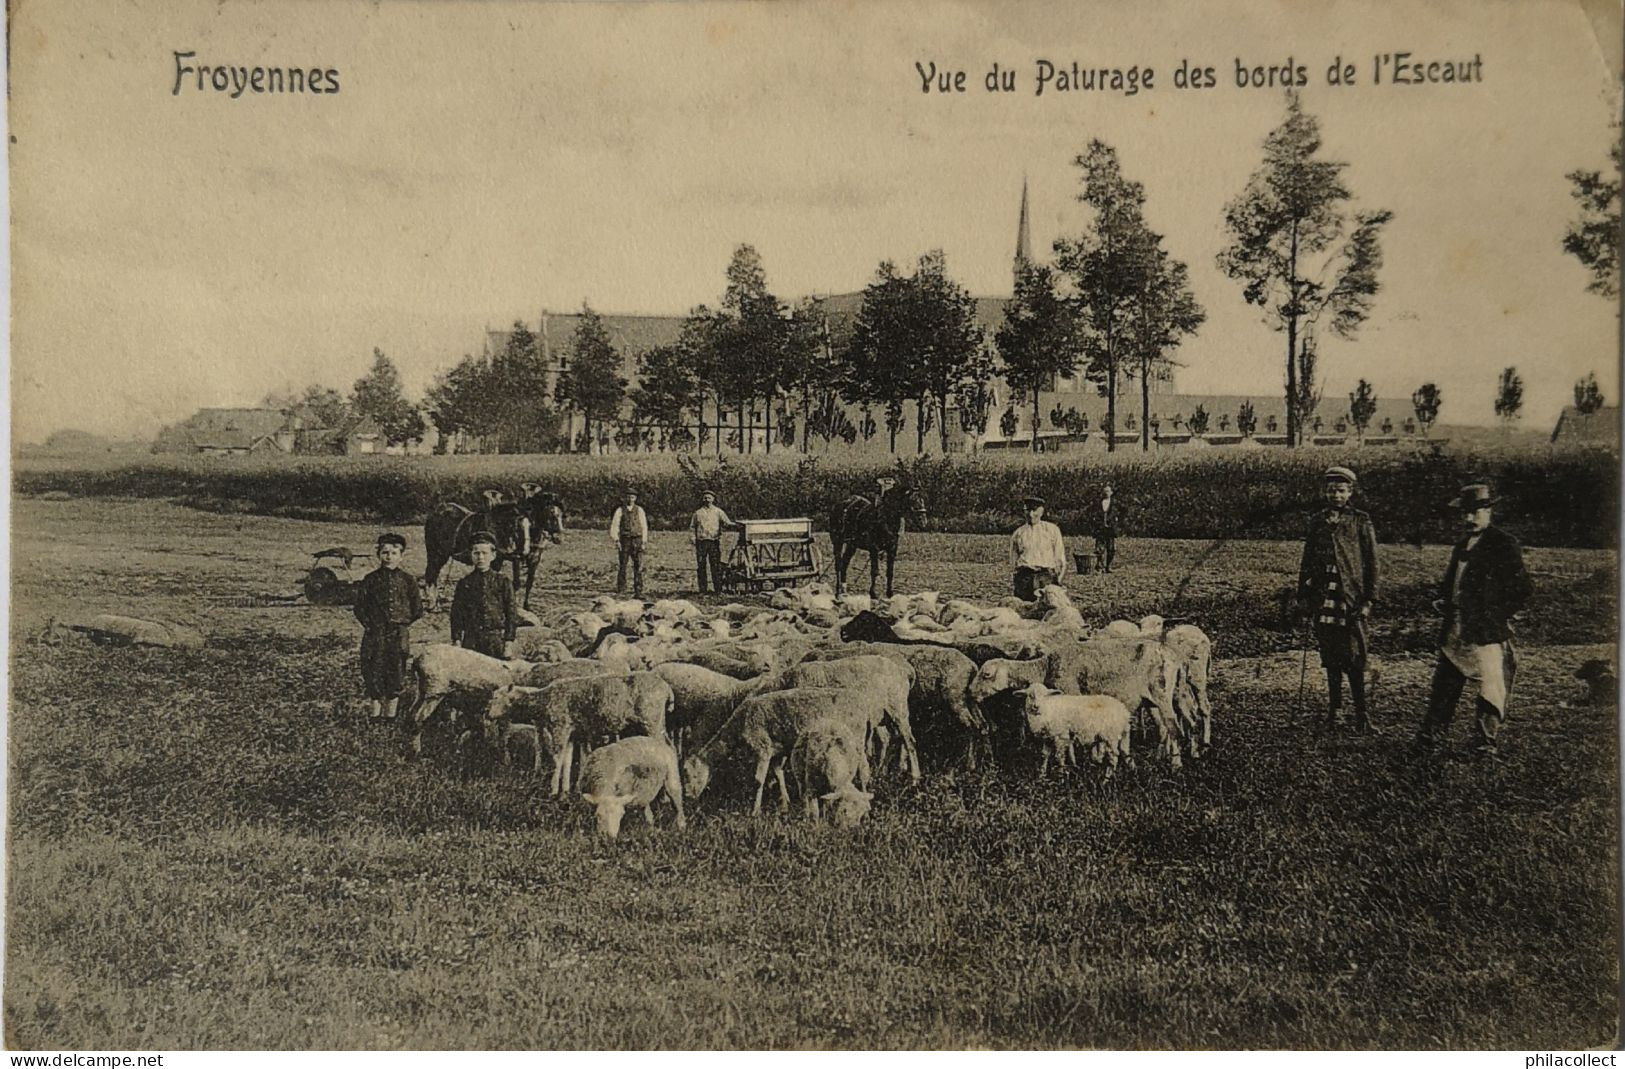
x: 208, y: 850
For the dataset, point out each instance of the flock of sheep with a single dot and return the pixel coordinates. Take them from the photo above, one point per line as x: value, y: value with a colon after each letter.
x: 830, y: 686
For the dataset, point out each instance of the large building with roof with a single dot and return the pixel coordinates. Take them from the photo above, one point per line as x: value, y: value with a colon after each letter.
x: 1072, y: 412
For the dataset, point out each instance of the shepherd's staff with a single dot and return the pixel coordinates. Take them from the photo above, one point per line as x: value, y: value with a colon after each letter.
x: 1303, y: 669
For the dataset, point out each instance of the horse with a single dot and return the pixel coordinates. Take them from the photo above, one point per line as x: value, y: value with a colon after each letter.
x: 448, y: 533
x: 546, y: 515
x: 858, y: 523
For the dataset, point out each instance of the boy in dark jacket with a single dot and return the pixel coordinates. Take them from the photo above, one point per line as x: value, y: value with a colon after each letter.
x: 387, y: 603
x: 1485, y: 584
x: 1337, y: 583
x: 484, y: 617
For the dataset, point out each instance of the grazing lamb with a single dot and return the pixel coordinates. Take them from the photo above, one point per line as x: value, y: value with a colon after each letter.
x: 1139, y: 673
x: 884, y: 684
x: 940, y: 697
x: 768, y: 725
x: 827, y: 761
x: 1062, y: 721
x: 581, y: 709
x: 630, y: 772
x: 702, y: 699
x: 465, y: 677
x: 539, y: 647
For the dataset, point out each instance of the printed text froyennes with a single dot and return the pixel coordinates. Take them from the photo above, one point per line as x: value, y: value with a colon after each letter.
x: 233, y: 81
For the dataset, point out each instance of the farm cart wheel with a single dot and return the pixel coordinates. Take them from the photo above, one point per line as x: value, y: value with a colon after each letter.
x: 322, y: 587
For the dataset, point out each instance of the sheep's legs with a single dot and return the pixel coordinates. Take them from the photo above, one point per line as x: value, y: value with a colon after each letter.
x: 763, y: 766
x: 420, y: 715
x: 784, y: 792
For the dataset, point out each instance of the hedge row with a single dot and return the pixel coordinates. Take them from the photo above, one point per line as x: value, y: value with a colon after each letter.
x: 1551, y: 496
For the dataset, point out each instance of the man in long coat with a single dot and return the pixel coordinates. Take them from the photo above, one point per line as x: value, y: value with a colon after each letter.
x: 1485, y: 584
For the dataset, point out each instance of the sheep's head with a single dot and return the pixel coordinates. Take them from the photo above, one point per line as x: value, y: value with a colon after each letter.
x: 1151, y: 625
x: 991, y: 678
x: 1035, y: 694
x: 608, y: 811
x: 696, y: 776
x: 847, y: 806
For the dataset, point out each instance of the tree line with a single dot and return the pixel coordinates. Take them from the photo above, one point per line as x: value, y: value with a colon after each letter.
x: 1112, y: 305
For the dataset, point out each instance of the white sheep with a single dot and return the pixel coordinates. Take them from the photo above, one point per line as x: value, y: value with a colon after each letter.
x: 1193, y: 652
x: 768, y: 725
x: 630, y: 772
x: 1059, y: 610
x: 584, y: 708
x: 702, y: 699
x: 464, y: 676
x: 1060, y: 722
x: 540, y: 647
x: 883, y: 684
x: 827, y: 762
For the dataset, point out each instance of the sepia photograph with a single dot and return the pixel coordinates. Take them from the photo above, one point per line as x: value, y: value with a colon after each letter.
x: 799, y: 525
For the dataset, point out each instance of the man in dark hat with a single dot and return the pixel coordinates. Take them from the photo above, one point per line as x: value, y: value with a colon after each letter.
x: 629, y: 530
x: 387, y: 603
x: 1037, y: 551
x: 1337, y: 584
x: 484, y: 616
x: 1485, y: 584
x: 1108, y: 514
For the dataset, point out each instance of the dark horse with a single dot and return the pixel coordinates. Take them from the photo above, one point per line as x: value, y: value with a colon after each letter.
x: 546, y: 515
x: 858, y: 523
x: 449, y: 529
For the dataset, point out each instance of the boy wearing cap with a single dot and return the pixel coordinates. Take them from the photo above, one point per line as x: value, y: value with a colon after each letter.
x: 483, y: 614
x: 1037, y: 552
x: 1337, y: 583
x: 1484, y: 585
x: 629, y: 530
x: 387, y: 603
x: 707, y: 527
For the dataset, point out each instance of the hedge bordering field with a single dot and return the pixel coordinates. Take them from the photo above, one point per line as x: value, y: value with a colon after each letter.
x: 1552, y: 496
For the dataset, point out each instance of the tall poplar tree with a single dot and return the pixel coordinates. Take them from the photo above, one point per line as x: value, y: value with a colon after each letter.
x: 1296, y: 248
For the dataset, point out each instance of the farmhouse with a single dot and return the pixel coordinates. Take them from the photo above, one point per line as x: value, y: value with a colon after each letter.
x: 1591, y: 428
x: 226, y: 432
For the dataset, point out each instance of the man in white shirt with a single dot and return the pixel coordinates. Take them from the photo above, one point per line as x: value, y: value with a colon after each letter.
x: 707, y: 526
x: 629, y: 530
x: 1036, y: 552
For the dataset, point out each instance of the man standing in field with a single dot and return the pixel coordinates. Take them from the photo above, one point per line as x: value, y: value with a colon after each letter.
x: 484, y: 617
x: 707, y: 526
x: 1037, y: 552
x: 1485, y: 584
x: 387, y: 603
x: 1107, y: 516
x: 629, y: 530
x: 1337, y: 582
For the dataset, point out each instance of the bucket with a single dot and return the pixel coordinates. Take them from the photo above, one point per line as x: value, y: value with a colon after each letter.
x: 1086, y: 563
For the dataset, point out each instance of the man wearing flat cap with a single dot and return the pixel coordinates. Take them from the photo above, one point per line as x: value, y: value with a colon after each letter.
x: 629, y: 530
x: 706, y: 527
x: 1337, y: 585
x: 1485, y: 584
x: 1036, y: 551
x: 484, y: 616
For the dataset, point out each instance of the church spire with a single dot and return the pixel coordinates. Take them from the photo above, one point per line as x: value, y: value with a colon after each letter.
x: 1024, y: 242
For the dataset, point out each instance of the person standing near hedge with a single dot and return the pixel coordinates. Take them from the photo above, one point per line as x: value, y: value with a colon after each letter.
x: 1484, y: 585
x: 629, y: 530
x: 1037, y: 552
x: 706, y: 527
x: 1337, y: 584
x: 1107, y: 516
x: 387, y: 603
x: 484, y: 614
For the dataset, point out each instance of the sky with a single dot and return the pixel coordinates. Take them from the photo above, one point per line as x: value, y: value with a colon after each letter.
x: 484, y: 161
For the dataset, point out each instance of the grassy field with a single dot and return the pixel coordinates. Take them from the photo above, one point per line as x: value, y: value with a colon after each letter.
x: 208, y: 849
